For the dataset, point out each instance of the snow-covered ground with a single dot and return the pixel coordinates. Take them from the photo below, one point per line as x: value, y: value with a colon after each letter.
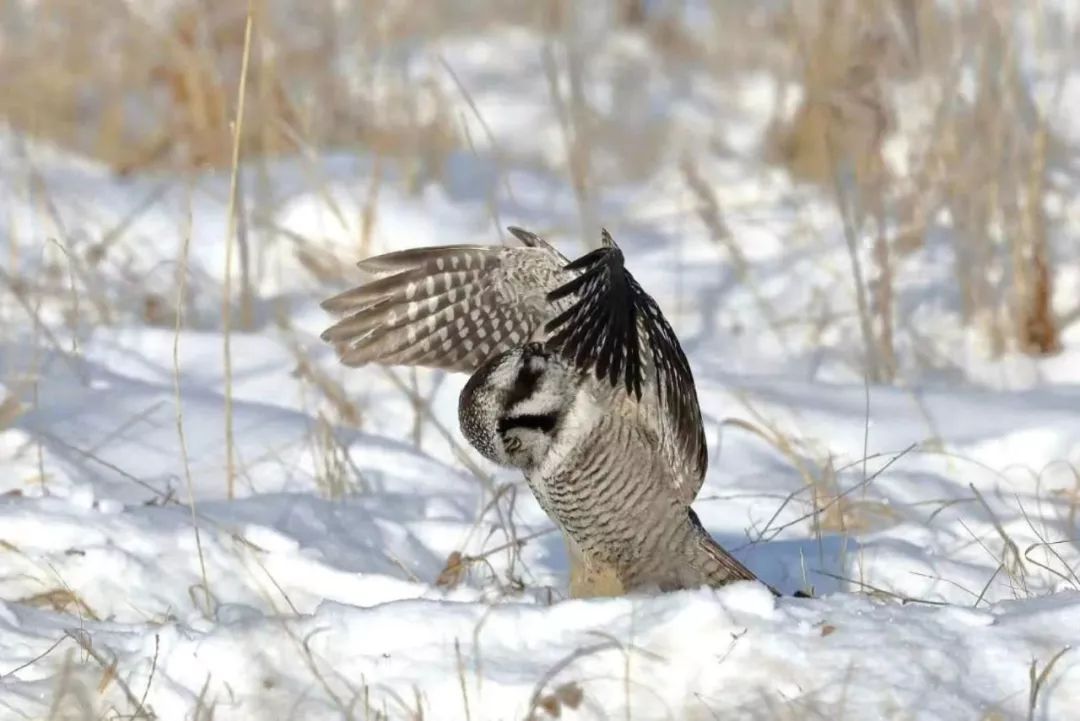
x: 371, y: 566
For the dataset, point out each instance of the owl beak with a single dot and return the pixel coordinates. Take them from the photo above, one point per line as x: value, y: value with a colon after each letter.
x: 535, y: 349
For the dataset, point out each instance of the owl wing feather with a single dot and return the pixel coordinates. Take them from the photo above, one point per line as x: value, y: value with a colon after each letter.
x: 454, y: 307
x: 449, y: 307
x: 616, y: 331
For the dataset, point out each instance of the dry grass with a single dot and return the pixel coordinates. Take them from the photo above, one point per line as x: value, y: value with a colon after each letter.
x: 165, y: 95
x: 158, y: 91
x: 982, y: 161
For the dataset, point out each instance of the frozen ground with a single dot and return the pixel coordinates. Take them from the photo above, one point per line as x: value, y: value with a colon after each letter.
x: 945, y: 564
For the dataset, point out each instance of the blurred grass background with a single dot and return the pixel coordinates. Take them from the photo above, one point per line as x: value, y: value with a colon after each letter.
x: 151, y: 88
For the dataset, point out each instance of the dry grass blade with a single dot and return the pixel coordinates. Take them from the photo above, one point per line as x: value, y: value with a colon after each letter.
x: 538, y: 696
x: 1012, y: 559
x: 712, y: 217
x: 10, y: 409
x: 461, y: 678
x: 18, y: 291
x: 462, y: 453
x: 181, y: 285
x: 60, y: 600
x: 108, y: 667
x: 35, y: 659
x: 903, y: 598
x: 153, y: 668
x: 226, y: 304
x: 1038, y: 680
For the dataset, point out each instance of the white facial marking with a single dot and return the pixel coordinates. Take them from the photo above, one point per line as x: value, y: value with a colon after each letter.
x: 577, y: 422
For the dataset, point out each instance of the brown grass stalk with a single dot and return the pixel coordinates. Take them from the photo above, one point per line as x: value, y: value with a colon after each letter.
x: 226, y: 305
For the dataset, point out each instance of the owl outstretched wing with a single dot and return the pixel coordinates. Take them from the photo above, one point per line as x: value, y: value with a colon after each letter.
x: 454, y: 307
x: 450, y: 307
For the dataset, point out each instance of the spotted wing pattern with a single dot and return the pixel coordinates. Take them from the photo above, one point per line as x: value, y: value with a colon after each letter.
x: 614, y: 329
x: 449, y: 307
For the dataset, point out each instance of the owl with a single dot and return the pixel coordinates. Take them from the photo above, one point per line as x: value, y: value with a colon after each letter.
x: 577, y: 379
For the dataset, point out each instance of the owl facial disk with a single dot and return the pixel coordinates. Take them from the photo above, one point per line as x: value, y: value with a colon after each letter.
x: 511, y: 407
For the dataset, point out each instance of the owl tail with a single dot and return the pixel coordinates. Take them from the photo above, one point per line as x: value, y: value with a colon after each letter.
x: 717, y: 566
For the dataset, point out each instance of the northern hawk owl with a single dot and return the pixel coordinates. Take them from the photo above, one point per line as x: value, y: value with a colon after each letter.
x: 577, y: 380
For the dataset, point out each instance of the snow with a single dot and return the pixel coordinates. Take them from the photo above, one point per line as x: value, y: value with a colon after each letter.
x: 945, y: 565
x: 732, y: 653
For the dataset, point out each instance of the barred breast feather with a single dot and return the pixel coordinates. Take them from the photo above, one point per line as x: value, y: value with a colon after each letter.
x: 613, y: 498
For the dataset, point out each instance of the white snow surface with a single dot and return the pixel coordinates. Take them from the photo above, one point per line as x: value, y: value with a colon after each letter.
x: 945, y: 588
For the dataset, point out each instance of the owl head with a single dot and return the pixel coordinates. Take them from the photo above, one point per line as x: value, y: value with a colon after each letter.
x: 512, y: 406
